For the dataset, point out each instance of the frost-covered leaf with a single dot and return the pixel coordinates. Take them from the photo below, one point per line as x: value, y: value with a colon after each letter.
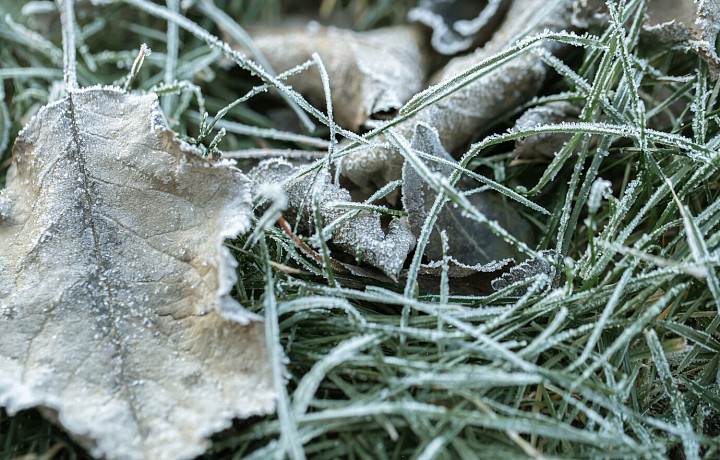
x: 372, y: 74
x: 457, y: 25
x: 361, y: 235
x: 469, y: 242
x: 523, y: 272
x: 461, y: 115
x: 544, y: 145
x: 115, y: 314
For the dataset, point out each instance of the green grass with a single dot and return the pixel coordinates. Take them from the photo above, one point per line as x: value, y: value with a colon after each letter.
x: 613, y: 356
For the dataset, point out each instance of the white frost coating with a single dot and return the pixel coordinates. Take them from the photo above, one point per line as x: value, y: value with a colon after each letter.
x: 524, y: 271
x: 600, y: 189
x: 114, y: 283
x: 460, y: 270
x: 689, y: 25
x: 5, y: 204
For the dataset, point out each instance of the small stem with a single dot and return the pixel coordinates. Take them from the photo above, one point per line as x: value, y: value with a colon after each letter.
x: 67, y: 18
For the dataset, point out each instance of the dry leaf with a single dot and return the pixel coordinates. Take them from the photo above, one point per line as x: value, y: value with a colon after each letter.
x: 115, y: 314
x: 469, y: 242
x: 360, y: 236
x: 372, y: 74
x: 457, y: 25
x: 525, y: 271
x: 692, y: 25
x: 460, y: 116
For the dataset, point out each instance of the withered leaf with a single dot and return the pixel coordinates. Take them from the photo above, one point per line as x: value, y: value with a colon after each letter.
x: 371, y: 73
x: 469, y: 242
x: 692, y: 25
x: 361, y: 235
x: 457, y: 25
x: 524, y: 271
x: 460, y: 116
x: 115, y: 315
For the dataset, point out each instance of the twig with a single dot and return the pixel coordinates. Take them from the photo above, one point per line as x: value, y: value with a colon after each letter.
x: 308, y: 250
x: 67, y: 18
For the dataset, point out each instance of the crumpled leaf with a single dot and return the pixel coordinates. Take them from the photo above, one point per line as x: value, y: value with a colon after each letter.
x: 545, y: 145
x: 115, y: 314
x: 469, y: 242
x: 690, y: 25
x: 372, y: 74
x: 460, y: 116
x: 458, y: 24
x: 360, y: 236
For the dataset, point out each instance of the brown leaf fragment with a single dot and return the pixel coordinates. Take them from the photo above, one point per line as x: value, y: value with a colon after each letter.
x: 544, y: 146
x: 115, y: 314
x: 361, y: 235
x: 459, y: 116
x: 457, y: 25
x: 469, y: 242
x: 372, y: 74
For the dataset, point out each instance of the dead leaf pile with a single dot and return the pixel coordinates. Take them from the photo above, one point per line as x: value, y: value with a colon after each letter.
x: 116, y: 319
x: 115, y: 314
x: 461, y: 115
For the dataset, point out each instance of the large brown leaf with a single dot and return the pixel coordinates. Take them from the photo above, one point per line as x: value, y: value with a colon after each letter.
x: 115, y: 318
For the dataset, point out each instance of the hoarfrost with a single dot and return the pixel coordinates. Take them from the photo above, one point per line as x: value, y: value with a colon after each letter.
x: 689, y: 25
x: 600, y: 189
x: 458, y: 24
x: 524, y: 271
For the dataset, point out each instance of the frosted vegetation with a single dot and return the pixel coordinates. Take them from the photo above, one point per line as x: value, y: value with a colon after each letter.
x: 603, y: 344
